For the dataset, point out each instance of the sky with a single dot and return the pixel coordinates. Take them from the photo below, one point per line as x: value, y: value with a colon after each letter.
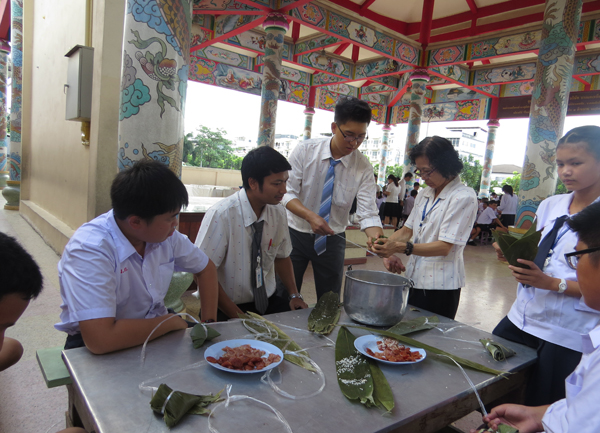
x: 238, y: 114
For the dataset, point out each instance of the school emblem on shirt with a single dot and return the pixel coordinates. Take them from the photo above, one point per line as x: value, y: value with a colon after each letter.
x: 124, y: 270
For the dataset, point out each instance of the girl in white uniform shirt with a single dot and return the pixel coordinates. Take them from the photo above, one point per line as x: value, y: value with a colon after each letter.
x: 392, y: 207
x: 439, y: 226
x: 549, y: 313
x: 508, y: 206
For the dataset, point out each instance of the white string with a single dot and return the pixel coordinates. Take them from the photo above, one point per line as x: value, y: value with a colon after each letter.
x: 143, y: 357
x: 52, y: 426
x: 144, y: 385
x: 231, y: 398
x: 266, y: 378
x: 483, y: 411
x: 164, y: 406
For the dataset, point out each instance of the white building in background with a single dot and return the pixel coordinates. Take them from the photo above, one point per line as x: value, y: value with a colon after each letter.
x: 371, y: 148
x: 468, y: 141
x: 501, y: 172
x: 242, y: 145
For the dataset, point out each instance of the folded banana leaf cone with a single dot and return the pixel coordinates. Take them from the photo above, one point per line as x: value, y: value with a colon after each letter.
x: 201, y: 333
x: 325, y: 315
x: 497, y: 350
x: 173, y: 405
x: 515, y: 248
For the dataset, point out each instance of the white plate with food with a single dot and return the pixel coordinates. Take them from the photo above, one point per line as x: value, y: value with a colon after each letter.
x: 388, y: 350
x: 243, y: 356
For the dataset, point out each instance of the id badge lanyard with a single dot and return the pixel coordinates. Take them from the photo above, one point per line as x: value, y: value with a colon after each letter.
x: 426, y: 213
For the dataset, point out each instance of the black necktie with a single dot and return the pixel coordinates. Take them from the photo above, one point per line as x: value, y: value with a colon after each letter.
x: 548, y: 242
x: 260, y: 293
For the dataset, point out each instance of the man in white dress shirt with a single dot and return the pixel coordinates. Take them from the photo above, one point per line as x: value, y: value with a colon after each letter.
x: 227, y: 231
x: 311, y: 160
x: 578, y: 411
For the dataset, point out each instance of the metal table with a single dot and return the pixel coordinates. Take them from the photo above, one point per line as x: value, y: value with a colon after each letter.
x: 428, y: 395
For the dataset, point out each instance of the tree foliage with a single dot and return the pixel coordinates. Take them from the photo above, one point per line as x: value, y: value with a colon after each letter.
x: 471, y: 172
x: 208, y: 148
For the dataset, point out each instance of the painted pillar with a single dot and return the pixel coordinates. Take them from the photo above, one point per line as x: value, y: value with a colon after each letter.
x: 548, y: 105
x: 12, y: 192
x: 275, y: 25
x: 381, y: 177
x: 4, y: 50
x: 309, y: 112
x: 484, y: 186
x: 419, y: 80
x: 156, y: 56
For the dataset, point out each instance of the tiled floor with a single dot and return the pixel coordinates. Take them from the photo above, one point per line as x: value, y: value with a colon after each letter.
x: 26, y: 405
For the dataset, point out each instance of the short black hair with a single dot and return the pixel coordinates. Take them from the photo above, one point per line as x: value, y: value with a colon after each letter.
x: 22, y: 275
x: 408, y: 175
x: 493, y: 202
x: 441, y: 155
x: 414, y: 193
x: 416, y: 184
x: 146, y: 190
x: 261, y: 162
x: 589, y: 134
x: 585, y: 224
x: 349, y: 108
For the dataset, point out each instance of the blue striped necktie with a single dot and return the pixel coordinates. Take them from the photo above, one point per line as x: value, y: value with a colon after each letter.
x: 325, y: 208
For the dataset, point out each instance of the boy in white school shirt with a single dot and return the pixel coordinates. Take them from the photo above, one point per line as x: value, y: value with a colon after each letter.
x: 116, y: 269
x: 578, y: 411
x: 227, y: 233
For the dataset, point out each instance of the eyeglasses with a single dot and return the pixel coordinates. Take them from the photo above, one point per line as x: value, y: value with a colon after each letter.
x: 352, y: 138
x: 425, y: 174
x: 573, y: 258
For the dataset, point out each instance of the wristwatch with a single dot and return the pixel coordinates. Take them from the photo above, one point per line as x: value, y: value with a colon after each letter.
x: 562, y: 286
x: 295, y: 295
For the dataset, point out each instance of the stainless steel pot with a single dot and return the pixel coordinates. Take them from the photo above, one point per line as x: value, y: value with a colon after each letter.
x: 374, y: 297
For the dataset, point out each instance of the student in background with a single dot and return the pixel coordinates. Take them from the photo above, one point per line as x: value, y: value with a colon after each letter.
x: 508, y: 206
x: 392, y: 205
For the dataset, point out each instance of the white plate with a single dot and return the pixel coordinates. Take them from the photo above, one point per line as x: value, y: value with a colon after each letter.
x: 216, y: 351
x: 370, y: 342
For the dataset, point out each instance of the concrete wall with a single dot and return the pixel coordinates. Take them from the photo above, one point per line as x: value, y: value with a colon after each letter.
x: 62, y: 180
x: 211, y: 176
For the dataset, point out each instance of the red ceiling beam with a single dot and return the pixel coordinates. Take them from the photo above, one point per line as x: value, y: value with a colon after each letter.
x: 466, y: 86
x: 472, y: 6
x: 390, y: 23
x: 366, y: 4
x: 400, y: 94
x: 235, y: 32
x: 295, y: 37
x: 5, y: 20
x: 339, y: 50
x: 426, y: 23
x: 413, y: 28
x: 296, y: 4
x: 488, y: 28
x: 355, y: 51
x: 254, y: 5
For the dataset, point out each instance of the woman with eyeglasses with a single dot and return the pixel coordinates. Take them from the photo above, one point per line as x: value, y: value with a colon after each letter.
x: 549, y: 313
x: 439, y: 226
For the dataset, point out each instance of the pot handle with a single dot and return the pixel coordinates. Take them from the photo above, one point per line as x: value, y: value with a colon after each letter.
x: 411, y: 283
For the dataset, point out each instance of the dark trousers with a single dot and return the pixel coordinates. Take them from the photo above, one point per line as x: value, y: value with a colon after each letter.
x: 328, y: 268
x: 547, y: 381
x: 442, y: 302
x: 277, y: 304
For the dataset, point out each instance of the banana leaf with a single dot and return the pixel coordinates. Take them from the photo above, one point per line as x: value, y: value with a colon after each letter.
x: 269, y: 332
x: 358, y: 377
x: 502, y: 428
x: 414, y: 325
x: 414, y: 343
x: 180, y: 403
x: 514, y: 248
x: 497, y: 350
x: 325, y: 315
x: 200, y: 333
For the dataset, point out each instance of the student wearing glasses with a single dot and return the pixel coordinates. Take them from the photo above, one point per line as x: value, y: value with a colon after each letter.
x: 549, y: 313
x: 327, y: 174
x: 436, y: 232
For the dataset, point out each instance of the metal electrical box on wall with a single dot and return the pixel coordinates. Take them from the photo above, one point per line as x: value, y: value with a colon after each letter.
x: 79, y: 83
